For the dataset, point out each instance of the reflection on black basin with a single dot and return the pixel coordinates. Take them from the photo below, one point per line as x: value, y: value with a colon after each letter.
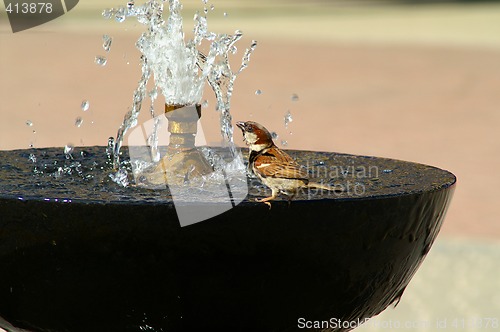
x: 79, y: 253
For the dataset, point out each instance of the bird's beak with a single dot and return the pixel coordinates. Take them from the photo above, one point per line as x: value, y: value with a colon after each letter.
x: 241, y: 125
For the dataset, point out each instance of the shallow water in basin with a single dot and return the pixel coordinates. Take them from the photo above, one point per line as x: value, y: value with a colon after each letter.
x: 51, y: 175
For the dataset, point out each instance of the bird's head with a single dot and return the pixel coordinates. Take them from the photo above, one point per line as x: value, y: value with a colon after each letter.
x: 256, y: 136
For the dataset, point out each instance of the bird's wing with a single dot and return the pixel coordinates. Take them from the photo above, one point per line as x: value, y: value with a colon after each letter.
x: 277, y: 163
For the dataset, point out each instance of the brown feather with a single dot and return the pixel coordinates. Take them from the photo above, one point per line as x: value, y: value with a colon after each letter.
x: 274, y: 162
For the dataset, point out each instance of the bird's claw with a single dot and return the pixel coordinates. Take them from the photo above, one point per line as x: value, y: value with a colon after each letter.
x: 264, y: 201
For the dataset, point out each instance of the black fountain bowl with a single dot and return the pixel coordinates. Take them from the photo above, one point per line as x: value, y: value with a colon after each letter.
x: 105, y: 258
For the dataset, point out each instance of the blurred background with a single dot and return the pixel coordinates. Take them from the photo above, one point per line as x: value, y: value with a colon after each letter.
x: 412, y: 80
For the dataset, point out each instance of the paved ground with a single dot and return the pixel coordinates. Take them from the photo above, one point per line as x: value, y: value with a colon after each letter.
x: 420, y: 84
x: 456, y: 289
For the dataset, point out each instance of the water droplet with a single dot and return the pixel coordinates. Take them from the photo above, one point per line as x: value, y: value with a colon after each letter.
x: 288, y: 118
x: 225, y: 14
x: 100, y: 60
x: 205, y: 2
x: 205, y: 10
x: 130, y: 4
x: 295, y: 97
x: 32, y: 158
x: 120, y: 14
x: 258, y: 92
x: 204, y: 104
x: 29, y: 123
x: 153, y: 94
x: 34, y: 131
x: 107, y: 13
x: 59, y: 172
x: 284, y: 142
x: 274, y: 135
x: 68, y: 148
x: 212, y: 7
x: 120, y: 177
x: 106, y: 42
x: 85, y: 105
x: 387, y: 171
x: 110, y: 148
x: 78, y: 122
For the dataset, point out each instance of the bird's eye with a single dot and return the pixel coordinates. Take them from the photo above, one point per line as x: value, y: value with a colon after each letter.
x: 249, y: 128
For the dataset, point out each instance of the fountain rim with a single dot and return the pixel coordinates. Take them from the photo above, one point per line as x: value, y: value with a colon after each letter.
x: 450, y: 183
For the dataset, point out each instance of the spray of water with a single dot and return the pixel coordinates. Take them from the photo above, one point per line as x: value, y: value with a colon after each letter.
x: 179, y: 68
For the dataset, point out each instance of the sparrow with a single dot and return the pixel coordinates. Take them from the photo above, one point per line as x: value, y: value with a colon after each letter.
x: 273, y: 166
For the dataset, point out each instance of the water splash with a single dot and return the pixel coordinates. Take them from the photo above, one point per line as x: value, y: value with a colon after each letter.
x: 222, y: 79
x: 153, y: 141
x: 120, y: 177
x: 130, y: 119
x: 179, y: 69
x: 295, y: 97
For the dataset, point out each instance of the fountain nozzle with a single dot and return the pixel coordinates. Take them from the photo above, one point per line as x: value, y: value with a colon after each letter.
x: 182, y: 159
